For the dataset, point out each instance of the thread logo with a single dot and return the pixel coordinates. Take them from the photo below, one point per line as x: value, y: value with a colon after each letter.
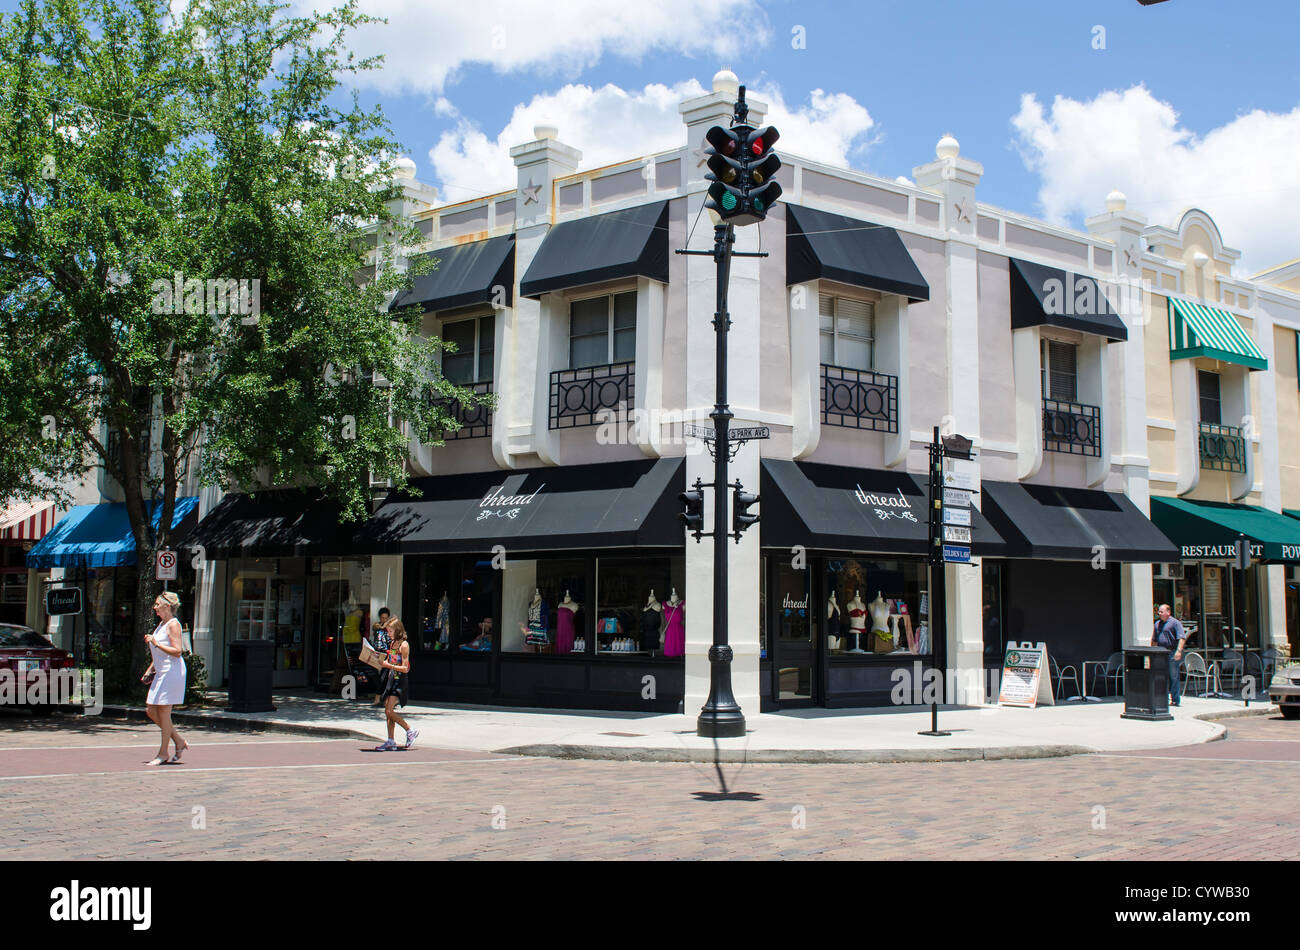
x: 75, y: 903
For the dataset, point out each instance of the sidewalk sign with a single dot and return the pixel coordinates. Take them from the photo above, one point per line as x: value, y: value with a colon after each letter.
x: 1024, y: 681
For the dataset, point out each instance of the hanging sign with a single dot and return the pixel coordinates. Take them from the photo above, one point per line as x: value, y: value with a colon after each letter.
x: 956, y: 554
x: 60, y: 601
x: 956, y: 498
x: 960, y: 516
x: 956, y: 535
x: 961, y: 473
x: 1024, y: 678
x: 165, y: 565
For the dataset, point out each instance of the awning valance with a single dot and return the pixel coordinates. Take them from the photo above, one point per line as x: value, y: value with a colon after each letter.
x: 281, y: 523
x: 1049, y: 296
x: 100, y: 536
x: 1198, y: 330
x: 820, y: 245
x: 838, y: 508
x: 577, y: 507
x: 27, y: 521
x: 1208, y: 530
x: 628, y: 243
x: 1073, y: 524
x: 466, y: 274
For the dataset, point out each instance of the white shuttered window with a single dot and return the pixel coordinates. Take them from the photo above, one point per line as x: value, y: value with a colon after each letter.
x: 848, y: 332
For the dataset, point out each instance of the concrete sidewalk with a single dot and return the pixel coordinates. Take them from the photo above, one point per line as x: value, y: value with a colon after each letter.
x: 811, y: 735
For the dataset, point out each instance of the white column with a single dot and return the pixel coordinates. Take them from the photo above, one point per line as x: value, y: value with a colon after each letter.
x: 805, y: 370
x: 1237, y: 412
x: 1273, y: 622
x: 386, y: 584
x: 1026, y: 360
x: 209, y: 617
x: 1187, y: 418
x: 892, y: 345
x: 651, y: 297
x: 1093, y: 390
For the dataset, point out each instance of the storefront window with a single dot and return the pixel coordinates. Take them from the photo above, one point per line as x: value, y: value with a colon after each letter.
x: 795, y: 629
x: 876, y: 607
x: 994, y: 638
x: 543, y: 606
x: 478, y: 607
x: 438, y: 606
x: 343, y: 615
x: 641, y: 604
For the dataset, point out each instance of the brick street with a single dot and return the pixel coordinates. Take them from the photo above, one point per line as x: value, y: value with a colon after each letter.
x: 78, y: 789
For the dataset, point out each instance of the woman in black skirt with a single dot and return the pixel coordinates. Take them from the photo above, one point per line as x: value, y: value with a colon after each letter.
x: 397, y: 673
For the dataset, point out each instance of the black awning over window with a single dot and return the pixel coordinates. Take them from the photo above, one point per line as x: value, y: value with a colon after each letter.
x: 285, y: 523
x: 836, y: 508
x: 466, y: 275
x: 824, y: 246
x: 1073, y: 524
x: 628, y: 243
x: 1049, y: 296
x: 578, y: 507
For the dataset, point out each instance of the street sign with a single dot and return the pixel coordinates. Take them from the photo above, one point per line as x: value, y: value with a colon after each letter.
x: 956, y: 535
x: 960, y: 473
x: 956, y: 516
x: 956, y: 498
x: 956, y: 554
x: 60, y: 601
x: 710, y: 434
x: 165, y: 565
x: 1243, y: 554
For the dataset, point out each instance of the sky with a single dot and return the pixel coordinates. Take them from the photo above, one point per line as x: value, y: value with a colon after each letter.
x: 1182, y: 103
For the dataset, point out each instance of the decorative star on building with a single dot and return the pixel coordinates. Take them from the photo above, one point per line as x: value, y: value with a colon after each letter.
x: 531, y: 192
x: 1130, y: 256
x: 963, y: 209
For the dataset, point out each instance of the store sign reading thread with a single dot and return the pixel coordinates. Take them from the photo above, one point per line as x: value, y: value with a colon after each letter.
x: 60, y: 601
x: 512, y: 504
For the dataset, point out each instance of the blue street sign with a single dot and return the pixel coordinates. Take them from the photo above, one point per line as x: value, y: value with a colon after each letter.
x: 956, y: 553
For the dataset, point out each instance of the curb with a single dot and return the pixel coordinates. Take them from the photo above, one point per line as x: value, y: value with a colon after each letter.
x: 233, y: 723
x: 1266, y: 710
x: 793, y: 756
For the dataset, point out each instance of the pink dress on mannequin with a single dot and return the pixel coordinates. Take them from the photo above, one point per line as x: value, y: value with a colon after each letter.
x: 675, y: 635
x: 564, y: 636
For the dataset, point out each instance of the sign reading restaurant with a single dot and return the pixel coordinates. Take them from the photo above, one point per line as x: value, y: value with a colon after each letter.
x: 1226, y: 552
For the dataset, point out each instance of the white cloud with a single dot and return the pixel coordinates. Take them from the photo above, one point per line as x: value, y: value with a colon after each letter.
x: 1241, y: 173
x: 609, y: 124
x: 426, y: 43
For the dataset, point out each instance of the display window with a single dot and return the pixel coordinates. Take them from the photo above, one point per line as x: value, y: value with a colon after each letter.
x: 993, y: 576
x: 1205, y: 598
x: 641, y: 606
x: 877, y: 607
x: 544, y: 605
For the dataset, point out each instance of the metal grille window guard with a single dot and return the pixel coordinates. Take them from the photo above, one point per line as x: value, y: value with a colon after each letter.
x: 859, y: 399
x: 578, y: 396
x: 1223, y: 448
x: 1071, y: 427
x: 475, y: 421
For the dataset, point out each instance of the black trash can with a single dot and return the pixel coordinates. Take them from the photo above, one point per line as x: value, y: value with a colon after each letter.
x: 251, y: 662
x: 1146, y: 684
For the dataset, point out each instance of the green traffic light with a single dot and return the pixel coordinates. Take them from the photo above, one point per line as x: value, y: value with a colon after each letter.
x: 729, y: 201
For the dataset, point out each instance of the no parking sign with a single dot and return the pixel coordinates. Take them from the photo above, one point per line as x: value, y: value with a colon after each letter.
x: 165, y: 565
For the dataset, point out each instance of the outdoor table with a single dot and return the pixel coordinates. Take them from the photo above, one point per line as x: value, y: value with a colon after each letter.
x: 1085, y: 698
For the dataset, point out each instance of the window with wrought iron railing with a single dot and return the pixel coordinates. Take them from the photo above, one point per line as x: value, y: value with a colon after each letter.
x: 859, y: 399
x: 591, y: 394
x: 1071, y: 427
x: 1223, y: 448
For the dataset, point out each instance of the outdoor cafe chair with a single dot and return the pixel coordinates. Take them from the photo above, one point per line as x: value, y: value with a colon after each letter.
x: 1115, y: 673
x: 1231, y: 666
x: 1194, y: 668
x: 1064, y: 673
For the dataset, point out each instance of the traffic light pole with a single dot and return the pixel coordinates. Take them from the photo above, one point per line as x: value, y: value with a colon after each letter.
x: 721, y: 717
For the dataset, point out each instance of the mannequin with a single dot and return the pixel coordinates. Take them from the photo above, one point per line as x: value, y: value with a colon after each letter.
x: 651, y: 620
x: 857, y: 621
x: 882, y: 639
x: 675, y: 618
x: 564, y: 620
x: 441, y: 621
x: 832, y: 623
x: 535, y: 633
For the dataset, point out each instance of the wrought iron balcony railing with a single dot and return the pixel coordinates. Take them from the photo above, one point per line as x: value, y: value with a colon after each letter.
x: 475, y: 421
x: 1071, y: 427
x: 580, y: 396
x: 1223, y: 448
x: 859, y: 399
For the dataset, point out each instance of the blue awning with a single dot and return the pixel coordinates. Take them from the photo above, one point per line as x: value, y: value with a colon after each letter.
x: 98, y: 536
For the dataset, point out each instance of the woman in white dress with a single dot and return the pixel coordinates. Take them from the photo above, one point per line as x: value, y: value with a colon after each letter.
x: 168, y: 686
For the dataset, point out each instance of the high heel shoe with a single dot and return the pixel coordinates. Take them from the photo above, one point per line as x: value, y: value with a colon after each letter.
x: 177, y: 756
x: 156, y: 760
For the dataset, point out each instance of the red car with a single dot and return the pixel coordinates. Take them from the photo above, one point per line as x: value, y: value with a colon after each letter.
x: 23, y: 649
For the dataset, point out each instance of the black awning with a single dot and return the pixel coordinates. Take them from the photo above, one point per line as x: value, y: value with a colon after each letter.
x: 286, y: 523
x: 824, y: 246
x: 466, y: 274
x: 612, y: 504
x: 1052, y: 297
x: 628, y: 243
x: 1073, y: 524
x: 835, y: 508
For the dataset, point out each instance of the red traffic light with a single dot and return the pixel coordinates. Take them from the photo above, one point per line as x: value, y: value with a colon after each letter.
x: 721, y: 141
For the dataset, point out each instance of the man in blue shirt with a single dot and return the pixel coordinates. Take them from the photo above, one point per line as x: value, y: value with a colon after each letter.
x: 1170, y: 635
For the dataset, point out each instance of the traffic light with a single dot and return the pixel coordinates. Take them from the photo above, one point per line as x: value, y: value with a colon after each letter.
x: 741, y: 166
x: 693, y: 517
x: 741, y: 502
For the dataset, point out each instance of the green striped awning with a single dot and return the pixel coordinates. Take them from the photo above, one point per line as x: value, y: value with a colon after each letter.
x: 1198, y: 330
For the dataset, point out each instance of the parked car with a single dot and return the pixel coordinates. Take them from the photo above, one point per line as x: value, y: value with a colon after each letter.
x: 22, y: 649
x: 1285, y: 691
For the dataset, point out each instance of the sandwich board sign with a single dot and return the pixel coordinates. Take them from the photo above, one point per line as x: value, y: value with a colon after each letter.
x: 1024, y: 676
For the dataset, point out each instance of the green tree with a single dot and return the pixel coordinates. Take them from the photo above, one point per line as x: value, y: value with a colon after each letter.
x: 185, y: 206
